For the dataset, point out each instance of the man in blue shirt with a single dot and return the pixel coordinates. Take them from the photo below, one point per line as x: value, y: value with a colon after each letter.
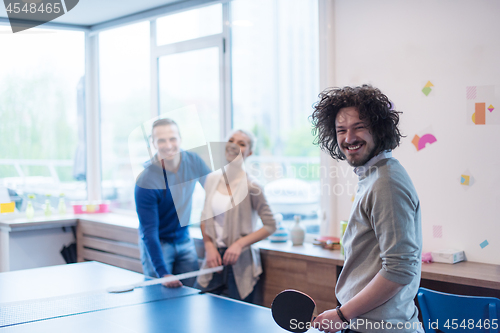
x: 163, y: 197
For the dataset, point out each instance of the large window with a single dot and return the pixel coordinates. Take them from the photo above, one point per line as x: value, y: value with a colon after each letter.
x: 125, y: 104
x: 267, y: 85
x: 192, y: 79
x: 42, y: 146
x: 249, y: 64
x: 275, y: 81
x: 186, y: 77
x: 189, y: 73
x: 190, y: 24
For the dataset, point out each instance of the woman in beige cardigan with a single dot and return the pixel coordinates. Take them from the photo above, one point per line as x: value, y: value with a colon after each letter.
x: 234, y: 202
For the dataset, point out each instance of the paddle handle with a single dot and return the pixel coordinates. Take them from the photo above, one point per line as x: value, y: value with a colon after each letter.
x: 183, y: 276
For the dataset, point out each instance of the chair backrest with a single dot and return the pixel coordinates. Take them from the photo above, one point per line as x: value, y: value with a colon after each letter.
x: 456, y: 313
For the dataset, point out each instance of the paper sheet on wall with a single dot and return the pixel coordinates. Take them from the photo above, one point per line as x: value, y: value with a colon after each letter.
x: 423, y: 139
x: 427, y: 88
x: 466, y: 179
x: 437, y: 231
x: 482, y: 105
x: 484, y: 244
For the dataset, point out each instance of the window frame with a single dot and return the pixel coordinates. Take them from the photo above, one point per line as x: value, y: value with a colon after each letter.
x: 4, y: 22
x: 223, y: 41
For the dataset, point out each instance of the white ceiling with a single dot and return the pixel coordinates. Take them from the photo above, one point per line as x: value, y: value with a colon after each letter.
x: 91, y: 12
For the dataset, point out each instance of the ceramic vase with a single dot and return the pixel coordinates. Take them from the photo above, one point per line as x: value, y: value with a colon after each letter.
x: 30, y: 211
x: 297, y: 233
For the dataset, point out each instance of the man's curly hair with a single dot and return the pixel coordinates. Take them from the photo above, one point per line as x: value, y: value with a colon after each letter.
x: 373, y: 106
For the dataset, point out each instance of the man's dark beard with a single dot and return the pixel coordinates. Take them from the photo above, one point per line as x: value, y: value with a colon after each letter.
x: 372, y: 153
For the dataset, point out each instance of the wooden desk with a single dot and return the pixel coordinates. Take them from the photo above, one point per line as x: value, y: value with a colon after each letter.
x: 29, y: 243
x: 112, y: 238
x: 467, y: 273
x: 464, y: 278
x: 315, y: 271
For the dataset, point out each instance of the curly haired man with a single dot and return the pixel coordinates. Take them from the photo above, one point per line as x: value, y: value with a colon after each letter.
x: 383, y: 239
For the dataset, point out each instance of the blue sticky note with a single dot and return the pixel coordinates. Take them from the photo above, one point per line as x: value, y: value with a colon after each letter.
x: 484, y: 244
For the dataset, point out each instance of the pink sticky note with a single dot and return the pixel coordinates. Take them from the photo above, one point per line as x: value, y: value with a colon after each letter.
x: 437, y: 231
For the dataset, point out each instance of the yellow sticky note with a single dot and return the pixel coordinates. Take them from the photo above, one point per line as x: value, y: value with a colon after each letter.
x: 464, y: 180
x: 429, y: 84
x: 7, y: 207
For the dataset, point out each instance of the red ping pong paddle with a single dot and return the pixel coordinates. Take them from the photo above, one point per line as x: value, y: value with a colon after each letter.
x: 293, y: 310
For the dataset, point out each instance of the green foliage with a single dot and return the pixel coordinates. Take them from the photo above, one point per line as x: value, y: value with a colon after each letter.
x: 307, y: 172
x: 65, y: 174
x: 300, y: 143
x: 7, y: 171
x: 35, y: 170
x: 38, y: 121
x: 119, y: 119
x: 263, y: 139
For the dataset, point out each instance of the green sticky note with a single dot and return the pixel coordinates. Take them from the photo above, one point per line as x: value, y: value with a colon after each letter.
x: 426, y: 91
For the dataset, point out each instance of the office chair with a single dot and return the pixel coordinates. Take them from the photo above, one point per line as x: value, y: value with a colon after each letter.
x: 443, y: 312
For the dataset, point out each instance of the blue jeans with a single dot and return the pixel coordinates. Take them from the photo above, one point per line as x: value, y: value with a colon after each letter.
x: 223, y: 283
x: 179, y: 258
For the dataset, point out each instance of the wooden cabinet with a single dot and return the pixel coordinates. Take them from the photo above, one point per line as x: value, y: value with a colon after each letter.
x: 109, y: 243
x: 314, y: 277
x: 307, y: 268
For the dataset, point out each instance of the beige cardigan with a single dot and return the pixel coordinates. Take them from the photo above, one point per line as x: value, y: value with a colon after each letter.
x: 239, y: 221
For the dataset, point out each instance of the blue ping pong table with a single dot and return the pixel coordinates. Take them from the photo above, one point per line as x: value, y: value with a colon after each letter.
x: 73, y: 298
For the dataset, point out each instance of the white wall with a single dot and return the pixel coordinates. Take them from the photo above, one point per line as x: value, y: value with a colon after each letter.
x: 398, y: 46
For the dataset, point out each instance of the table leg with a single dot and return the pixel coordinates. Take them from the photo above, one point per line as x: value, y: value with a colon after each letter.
x: 4, y: 250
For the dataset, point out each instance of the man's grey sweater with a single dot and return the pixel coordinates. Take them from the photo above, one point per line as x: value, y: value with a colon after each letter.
x: 383, y: 236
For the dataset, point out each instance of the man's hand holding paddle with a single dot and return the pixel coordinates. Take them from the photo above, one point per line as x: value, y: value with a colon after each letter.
x: 172, y: 284
x: 328, y: 321
x: 295, y: 312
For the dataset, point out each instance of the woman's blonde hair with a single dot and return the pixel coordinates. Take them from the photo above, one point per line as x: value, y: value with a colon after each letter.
x: 251, y: 137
